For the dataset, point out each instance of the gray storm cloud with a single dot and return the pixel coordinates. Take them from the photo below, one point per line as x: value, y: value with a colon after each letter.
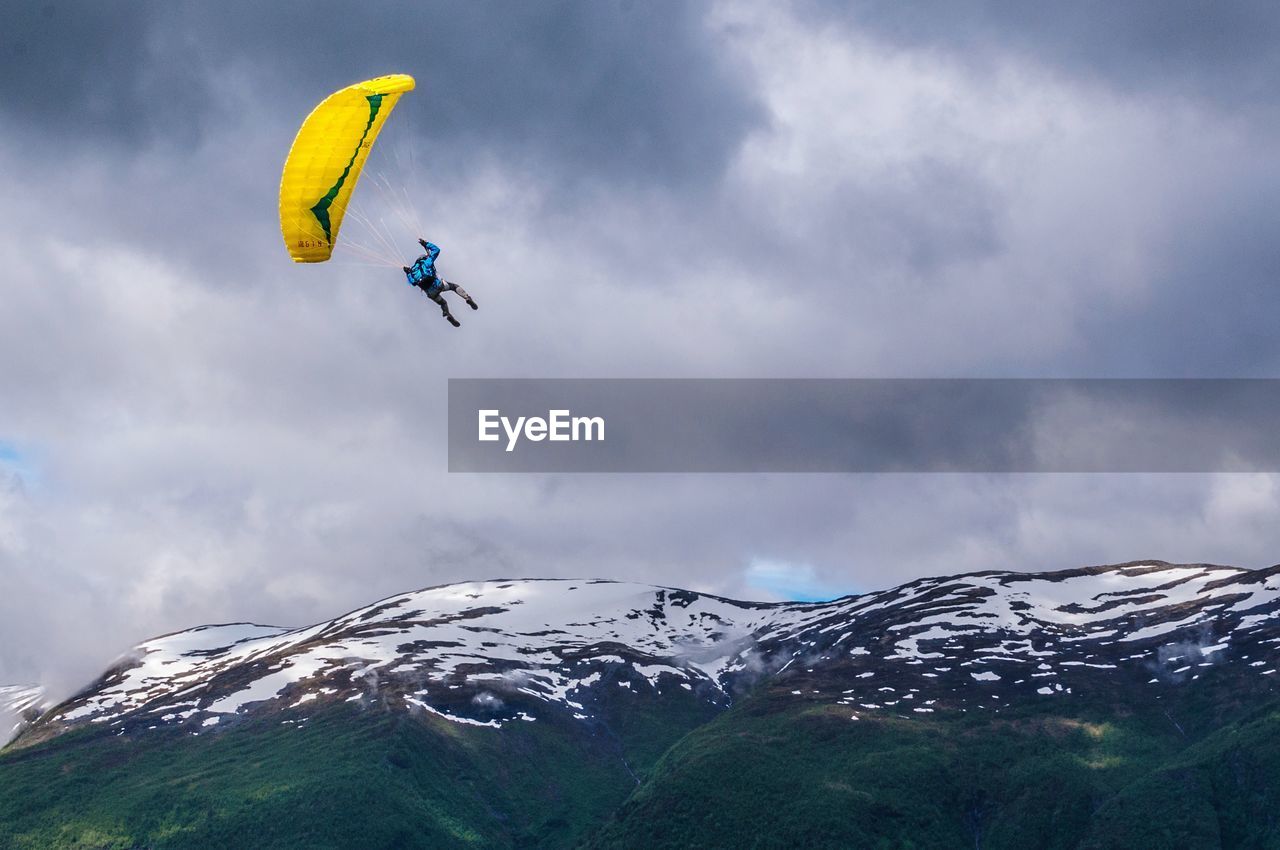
x: 205, y: 432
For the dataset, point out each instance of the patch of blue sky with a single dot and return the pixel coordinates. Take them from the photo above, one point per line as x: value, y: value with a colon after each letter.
x: 17, y: 460
x: 793, y: 582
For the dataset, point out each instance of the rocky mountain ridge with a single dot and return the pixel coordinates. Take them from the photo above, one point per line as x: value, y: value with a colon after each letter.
x: 517, y: 651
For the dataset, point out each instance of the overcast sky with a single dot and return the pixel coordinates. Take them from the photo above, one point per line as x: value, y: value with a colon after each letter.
x: 193, y: 429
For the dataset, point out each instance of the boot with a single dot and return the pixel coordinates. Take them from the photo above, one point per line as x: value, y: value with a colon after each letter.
x: 471, y: 302
x: 452, y: 320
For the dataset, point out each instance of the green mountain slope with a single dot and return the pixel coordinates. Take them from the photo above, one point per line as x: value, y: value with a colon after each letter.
x: 779, y: 772
x: 774, y: 771
x: 345, y: 778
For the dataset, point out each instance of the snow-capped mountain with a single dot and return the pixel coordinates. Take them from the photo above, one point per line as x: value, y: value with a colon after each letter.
x: 495, y: 652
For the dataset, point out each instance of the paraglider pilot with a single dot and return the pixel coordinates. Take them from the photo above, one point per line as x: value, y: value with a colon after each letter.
x: 422, y: 274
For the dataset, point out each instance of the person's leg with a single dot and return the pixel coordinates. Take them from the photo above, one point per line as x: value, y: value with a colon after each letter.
x: 453, y: 287
x: 439, y: 299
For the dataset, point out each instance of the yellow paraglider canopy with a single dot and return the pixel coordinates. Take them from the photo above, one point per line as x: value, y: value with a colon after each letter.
x: 325, y: 162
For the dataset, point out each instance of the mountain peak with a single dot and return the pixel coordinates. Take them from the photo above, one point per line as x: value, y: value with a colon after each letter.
x: 504, y: 650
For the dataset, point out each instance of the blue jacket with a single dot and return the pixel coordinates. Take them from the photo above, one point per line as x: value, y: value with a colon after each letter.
x: 423, y: 269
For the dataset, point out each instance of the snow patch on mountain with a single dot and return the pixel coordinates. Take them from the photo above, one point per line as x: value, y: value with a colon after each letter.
x: 19, y: 705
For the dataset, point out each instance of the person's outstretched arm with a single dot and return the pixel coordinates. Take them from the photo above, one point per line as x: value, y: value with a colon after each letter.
x: 432, y: 249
